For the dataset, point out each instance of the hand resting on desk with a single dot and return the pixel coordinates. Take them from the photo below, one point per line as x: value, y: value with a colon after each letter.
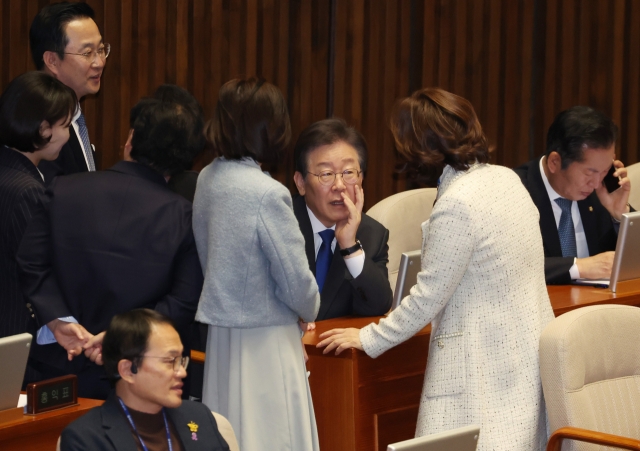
x: 340, y: 340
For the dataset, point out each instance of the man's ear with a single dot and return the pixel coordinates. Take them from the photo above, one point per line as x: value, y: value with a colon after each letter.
x: 45, y: 130
x: 127, y: 147
x: 554, y: 162
x: 124, y: 370
x: 300, y: 183
x: 51, y: 62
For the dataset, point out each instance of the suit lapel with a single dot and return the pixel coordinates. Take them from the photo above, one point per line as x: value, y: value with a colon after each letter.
x: 302, y: 215
x: 78, y: 153
x: 115, y: 426
x: 540, y: 197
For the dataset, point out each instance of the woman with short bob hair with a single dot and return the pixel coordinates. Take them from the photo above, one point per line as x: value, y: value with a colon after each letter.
x: 481, y: 284
x: 35, y: 113
x: 257, y: 280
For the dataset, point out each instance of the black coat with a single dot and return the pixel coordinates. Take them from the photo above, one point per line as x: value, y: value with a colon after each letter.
x: 104, y: 243
x: 105, y: 428
x: 20, y: 190
x: 598, y: 227
x: 369, y: 294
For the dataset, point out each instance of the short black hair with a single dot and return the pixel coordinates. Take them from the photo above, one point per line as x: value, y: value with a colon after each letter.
x: 47, y: 32
x: 176, y: 94
x: 166, y: 136
x: 324, y: 133
x: 127, y: 338
x: 251, y: 120
x: 576, y: 127
x: 29, y: 100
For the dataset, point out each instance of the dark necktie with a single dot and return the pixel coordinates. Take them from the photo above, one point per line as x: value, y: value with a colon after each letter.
x: 323, y: 260
x: 84, y: 136
x: 565, y: 229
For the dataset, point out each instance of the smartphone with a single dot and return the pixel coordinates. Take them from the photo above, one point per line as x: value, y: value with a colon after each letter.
x: 610, y: 181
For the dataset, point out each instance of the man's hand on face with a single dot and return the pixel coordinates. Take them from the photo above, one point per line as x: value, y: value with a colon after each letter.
x: 616, y: 202
x: 347, y: 228
x: 596, y: 267
x: 71, y: 336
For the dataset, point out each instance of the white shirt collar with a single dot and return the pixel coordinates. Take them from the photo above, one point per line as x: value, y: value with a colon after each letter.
x: 316, y: 225
x: 553, y: 195
x: 77, y: 115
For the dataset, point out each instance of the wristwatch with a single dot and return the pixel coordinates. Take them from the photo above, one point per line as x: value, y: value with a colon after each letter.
x: 350, y: 250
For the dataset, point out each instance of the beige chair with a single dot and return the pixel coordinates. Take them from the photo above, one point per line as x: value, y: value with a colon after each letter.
x: 223, y: 426
x: 633, y: 172
x: 403, y: 214
x: 227, y: 431
x: 590, y: 369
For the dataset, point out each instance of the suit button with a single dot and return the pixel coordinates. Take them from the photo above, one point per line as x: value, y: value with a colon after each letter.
x: 28, y: 305
x: 440, y: 344
x: 33, y: 316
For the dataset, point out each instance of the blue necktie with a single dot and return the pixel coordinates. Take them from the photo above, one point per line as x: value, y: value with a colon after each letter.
x: 84, y: 136
x: 565, y: 229
x: 323, y: 260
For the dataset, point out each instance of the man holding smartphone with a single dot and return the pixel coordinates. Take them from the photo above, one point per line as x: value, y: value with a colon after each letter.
x: 579, y: 217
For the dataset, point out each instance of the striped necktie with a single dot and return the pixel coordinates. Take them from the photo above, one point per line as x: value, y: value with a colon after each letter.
x: 84, y: 136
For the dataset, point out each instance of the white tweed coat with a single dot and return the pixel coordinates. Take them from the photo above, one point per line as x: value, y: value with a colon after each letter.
x: 482, y: 287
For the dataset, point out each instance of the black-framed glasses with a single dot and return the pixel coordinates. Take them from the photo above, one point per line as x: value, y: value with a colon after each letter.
x: 102, y: 52
x: 177, y: 362
x: 327, y: 178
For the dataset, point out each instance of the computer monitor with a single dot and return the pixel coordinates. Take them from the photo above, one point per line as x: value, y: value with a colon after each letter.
x: 461, y: 439
x: 14, y: 352
x: 407, y: 276
x: 626, y: 263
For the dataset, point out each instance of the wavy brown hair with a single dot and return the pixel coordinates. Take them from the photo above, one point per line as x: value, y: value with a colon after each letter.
x: 433, y: 128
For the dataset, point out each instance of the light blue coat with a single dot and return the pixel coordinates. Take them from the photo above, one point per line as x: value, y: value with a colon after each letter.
x: 251, y: 249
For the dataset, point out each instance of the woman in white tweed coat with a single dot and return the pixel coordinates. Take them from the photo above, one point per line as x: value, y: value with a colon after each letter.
x: 481, y: 285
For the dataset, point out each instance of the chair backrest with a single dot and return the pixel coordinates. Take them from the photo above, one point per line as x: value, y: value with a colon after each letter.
x: 226, y: 431
x: 633, y: 172
x: 590, y: 369
x: 403, y: 214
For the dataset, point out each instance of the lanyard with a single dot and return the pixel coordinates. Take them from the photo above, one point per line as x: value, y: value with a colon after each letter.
x: 166, y: 426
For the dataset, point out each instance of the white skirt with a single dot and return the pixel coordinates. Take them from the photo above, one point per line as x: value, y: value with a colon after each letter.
x: 258, y: 380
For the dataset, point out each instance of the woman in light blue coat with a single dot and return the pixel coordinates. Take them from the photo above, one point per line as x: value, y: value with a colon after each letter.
x: 257, y: 280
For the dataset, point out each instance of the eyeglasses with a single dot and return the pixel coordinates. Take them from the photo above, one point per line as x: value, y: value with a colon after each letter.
x: 327, y: 178
x: 176, y: 362
x: 91, y: 55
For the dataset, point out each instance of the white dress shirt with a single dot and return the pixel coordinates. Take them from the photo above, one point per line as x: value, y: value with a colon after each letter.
x: 581, y: 239
x: 354, y: 264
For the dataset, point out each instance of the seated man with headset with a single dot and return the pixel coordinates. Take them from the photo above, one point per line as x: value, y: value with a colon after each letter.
x: 142, y: 354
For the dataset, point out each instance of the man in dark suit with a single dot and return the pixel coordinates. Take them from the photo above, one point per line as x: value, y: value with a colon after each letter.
x: 111, y: 241
x: 142, y: 356
x: 346, y: 249
x: 578, y: 215
x: 66, y: 43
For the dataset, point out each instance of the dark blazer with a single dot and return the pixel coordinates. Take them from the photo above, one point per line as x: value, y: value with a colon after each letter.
x: 20, y: 189
x: 369, y: 294
x: 107, y: 242
x: 70, y: 160
x: 105, y: 428
x: 598, y: 227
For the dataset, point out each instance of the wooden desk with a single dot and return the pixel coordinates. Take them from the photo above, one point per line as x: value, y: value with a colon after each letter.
x: 364, y: 404
x: 40, y: 432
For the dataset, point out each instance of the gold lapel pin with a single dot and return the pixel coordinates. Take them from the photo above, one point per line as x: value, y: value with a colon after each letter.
x: 590, y: 208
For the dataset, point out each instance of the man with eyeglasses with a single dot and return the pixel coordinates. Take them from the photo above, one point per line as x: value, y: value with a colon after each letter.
x: 66, y: 44
x: 143, y: 359
x: 346, y: 249
x: 111, y: 241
